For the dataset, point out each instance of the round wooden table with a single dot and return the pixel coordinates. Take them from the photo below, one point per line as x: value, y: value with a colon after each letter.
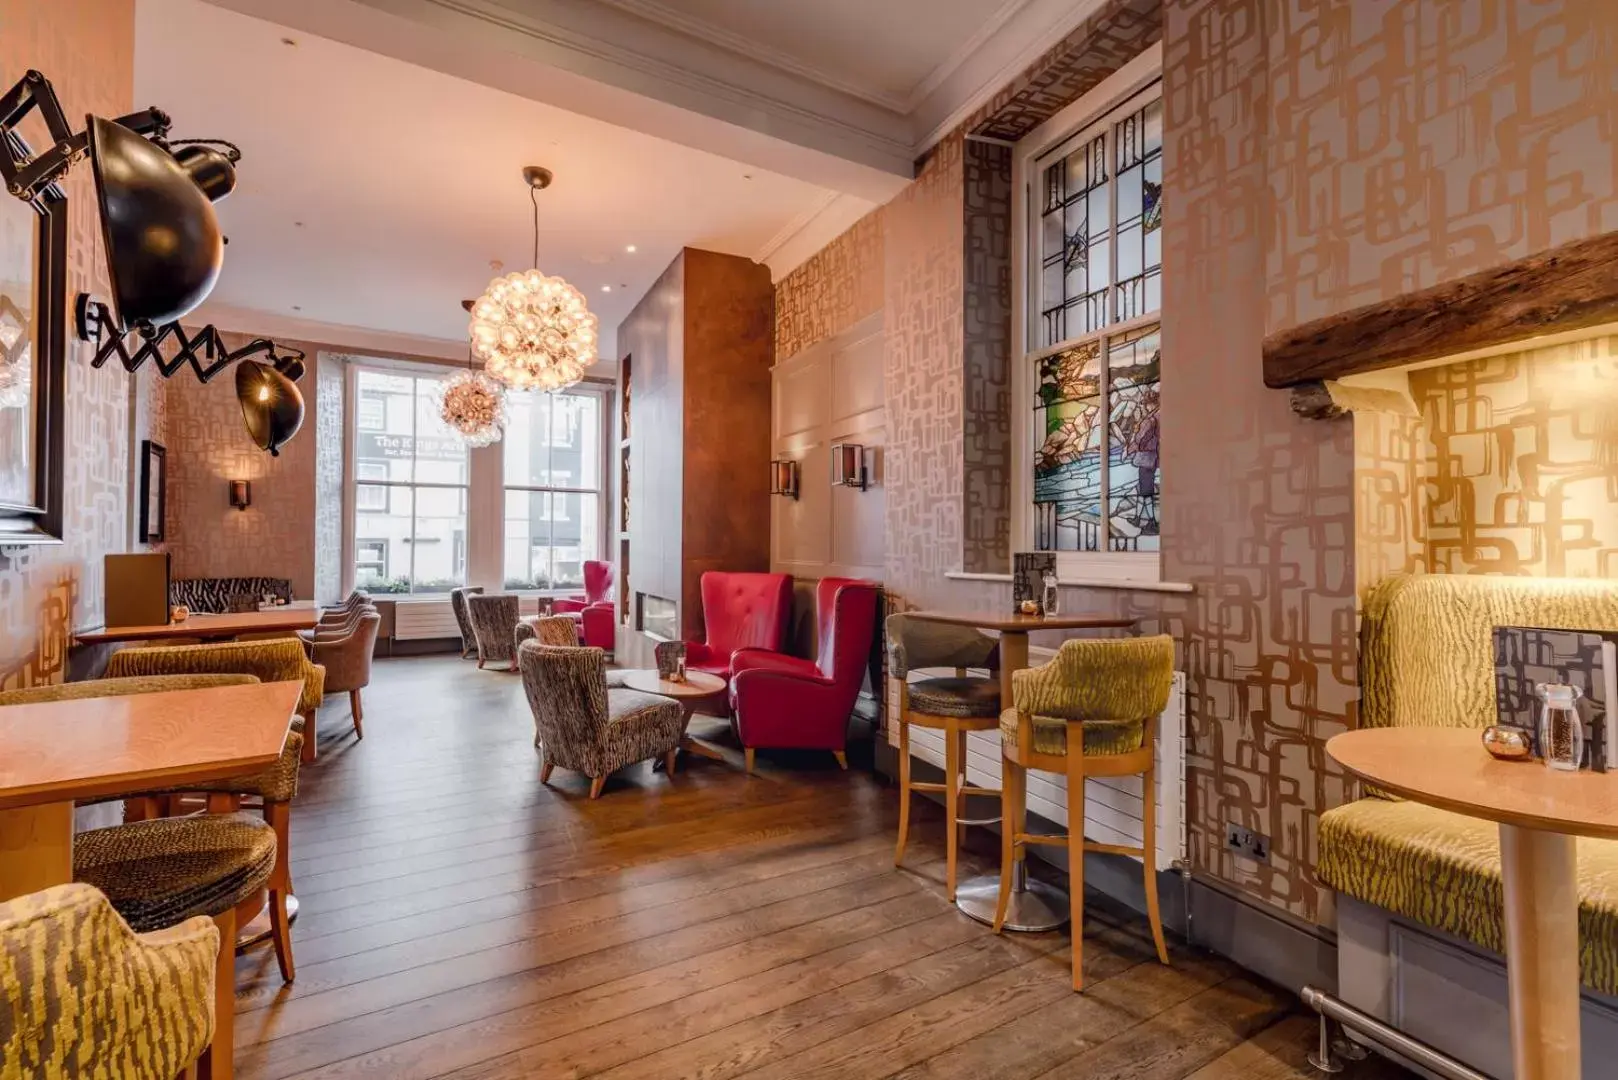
x: 697, y: 686
x: 1035, y: 905
x: 1540, y: 813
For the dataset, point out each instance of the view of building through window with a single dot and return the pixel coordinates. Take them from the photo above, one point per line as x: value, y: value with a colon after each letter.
x: 552, y: 452
x: 410, y: 488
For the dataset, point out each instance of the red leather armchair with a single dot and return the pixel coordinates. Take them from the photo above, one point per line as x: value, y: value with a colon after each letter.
x: 596, y: 609
x: 740, y: 611
x: 782, y: 702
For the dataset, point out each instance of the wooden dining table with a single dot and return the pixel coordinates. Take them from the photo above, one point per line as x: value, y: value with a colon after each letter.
x: 209, y: 627
x: 1540, y: 814
x: 1035, y: 905
x: 55, y: 754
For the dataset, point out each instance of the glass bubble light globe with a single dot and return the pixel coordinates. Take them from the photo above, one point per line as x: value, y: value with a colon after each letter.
x: 533, y: 332
x: 473, y: 407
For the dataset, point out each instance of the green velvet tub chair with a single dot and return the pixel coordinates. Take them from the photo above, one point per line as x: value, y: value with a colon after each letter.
x: 1419, y: 897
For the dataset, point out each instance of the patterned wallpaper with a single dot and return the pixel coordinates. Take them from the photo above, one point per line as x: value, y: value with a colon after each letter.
x: 835, y: 288
x: 46, y: 591
x: 1412, y: 143
x: 208, y: 446
x: 986, y: 341
x: 1505, y: 465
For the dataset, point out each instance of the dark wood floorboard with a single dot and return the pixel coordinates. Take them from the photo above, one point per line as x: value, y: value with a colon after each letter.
x: 462, y: 920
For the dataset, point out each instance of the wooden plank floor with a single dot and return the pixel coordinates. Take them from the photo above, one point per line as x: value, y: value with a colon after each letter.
x: 462, y: 920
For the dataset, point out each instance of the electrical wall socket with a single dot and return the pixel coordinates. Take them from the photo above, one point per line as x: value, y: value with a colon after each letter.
x: 1247, y: 843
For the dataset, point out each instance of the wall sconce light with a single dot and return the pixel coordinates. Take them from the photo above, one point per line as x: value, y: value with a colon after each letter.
x: 784, y: 478
x: 848, y: 465
x: 241, y: 494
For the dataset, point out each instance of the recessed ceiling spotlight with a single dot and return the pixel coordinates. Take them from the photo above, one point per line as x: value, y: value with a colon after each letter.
x: 747, y: 176
x: 290, y: 41
x: 606, y: 288
x: 630, y: 249
x: 297, y: 224
x: 295, y: 307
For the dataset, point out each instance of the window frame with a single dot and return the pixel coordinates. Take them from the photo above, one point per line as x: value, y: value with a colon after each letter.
x: 1104, y: 103
x: 358, y: 367
x: 603, y: 394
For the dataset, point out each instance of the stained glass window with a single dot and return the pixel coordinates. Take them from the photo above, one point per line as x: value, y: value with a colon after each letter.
x: 1098, y: 262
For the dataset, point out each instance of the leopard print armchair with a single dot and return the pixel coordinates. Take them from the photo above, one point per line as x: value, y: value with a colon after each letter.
x: 494, y: 621
x: 586, y: 727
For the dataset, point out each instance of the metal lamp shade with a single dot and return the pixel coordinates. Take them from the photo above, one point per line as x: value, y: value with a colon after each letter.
x: 271, y: 403
x: 164, y: 247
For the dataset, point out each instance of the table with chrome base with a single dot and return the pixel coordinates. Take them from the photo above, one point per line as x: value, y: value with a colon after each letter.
x: 1034, y: 905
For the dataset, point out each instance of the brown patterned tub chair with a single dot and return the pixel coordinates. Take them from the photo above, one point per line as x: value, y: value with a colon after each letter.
x: 558, y: 630
x: 588, y: 728
x: 494, y: 622
x: 457, y: 604
x: 277, y: 660
x: 346, y: 656
x: 72, y: 974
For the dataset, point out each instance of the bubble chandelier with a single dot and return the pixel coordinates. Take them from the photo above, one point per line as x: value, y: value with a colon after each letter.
x: 531, y: 331
x: 473, y: 407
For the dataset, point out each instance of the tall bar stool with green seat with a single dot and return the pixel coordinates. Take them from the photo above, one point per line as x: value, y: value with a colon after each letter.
x: 954, y: 705
x: 1107, y: 694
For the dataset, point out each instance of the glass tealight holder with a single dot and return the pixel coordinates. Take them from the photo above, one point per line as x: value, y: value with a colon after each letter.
x: 1561, y: 731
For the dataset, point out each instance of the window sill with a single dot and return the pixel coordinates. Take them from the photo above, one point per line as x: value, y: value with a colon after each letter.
x: 1087, y: 583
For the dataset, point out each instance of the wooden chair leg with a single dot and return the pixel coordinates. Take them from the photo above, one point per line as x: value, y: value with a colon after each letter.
x: 1010, y: 793
x: 218, y: 1061
x: 221, y: 802
x: 1075, y: 846
x: 545, y: 770
x: 842, y: 759
x: 952, y: 801
x: 359, y: 713
x: 596, y: 784
x: 669, y: 759
x: 904, y: 790
x: 279, y: 815
x: 1149, y: 858
x: 748, y: 753
x: 307, y: 754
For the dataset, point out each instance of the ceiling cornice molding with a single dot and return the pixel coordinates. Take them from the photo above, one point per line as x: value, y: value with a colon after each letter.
x: 940, y: 74
x: 795, y: 225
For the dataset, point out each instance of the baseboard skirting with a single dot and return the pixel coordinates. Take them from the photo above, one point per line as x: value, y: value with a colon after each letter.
x: 1206, y: 913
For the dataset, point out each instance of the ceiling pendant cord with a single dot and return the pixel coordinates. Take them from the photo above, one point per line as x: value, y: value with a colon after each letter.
x: 533, y: 197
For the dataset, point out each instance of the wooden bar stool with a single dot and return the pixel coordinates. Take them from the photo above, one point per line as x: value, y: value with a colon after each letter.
x: 1106, y: 695
x: 954, y: 706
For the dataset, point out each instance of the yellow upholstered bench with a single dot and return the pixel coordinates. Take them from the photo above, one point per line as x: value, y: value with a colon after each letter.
x: 1427, y: 659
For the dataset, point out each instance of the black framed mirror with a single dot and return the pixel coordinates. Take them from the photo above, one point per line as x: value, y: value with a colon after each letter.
x: 33, y: 365
x: 154, y: 491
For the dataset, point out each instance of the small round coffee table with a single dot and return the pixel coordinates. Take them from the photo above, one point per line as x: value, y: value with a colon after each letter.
x: 697, y: 686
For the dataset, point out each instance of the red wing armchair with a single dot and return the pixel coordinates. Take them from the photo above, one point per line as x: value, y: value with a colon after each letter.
x: 782, y: 702
x: 740, y: 611
x: 596, y: 609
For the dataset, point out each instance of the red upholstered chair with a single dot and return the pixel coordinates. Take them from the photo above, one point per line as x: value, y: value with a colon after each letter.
x: 595, y: 609
x: 782, y: 702
x: 740, y: 611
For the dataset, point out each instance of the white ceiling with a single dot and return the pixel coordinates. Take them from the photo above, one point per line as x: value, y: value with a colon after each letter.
x: 889, y: 52
x: 374, y: 193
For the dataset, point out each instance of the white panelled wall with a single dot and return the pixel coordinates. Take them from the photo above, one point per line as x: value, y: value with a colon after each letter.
x: 1112, y: 805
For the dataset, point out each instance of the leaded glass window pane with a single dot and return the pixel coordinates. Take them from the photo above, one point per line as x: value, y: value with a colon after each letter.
x: 1138, y: 139
x: 1134, y: 366
x: 1097, y: 242
x: 1076, y: 238
x: 1068, y: 462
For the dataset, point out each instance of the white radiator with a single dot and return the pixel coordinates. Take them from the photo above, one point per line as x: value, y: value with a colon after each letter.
x: 1112, y: 805
x: 417, y: 619
x: 414, y: 620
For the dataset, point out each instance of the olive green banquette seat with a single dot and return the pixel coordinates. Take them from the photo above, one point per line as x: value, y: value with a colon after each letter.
x: 1427, y: 659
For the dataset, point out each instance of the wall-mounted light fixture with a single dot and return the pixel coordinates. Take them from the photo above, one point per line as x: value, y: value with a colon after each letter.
x: 848, y: 465
x: 784, y: 478
x: 241, y: 494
